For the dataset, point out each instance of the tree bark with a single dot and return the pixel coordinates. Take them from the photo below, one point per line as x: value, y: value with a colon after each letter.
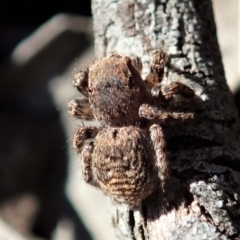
x: 203, y: 194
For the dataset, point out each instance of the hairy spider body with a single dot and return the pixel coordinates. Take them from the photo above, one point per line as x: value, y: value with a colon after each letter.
x: 116, y: 91
x: 127, y: 157
x: 123, y: 165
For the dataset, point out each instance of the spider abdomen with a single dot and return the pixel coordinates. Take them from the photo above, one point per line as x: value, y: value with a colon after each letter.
x: 122, y: 164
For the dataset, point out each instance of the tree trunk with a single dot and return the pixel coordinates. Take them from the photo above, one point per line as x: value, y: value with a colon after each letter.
x: 203, y: 194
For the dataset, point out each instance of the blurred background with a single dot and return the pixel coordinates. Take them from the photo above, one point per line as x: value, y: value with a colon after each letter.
x: 42, y: 193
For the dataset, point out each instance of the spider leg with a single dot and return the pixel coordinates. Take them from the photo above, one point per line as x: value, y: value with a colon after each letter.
x: 157, y: 64
x: 150, y: 112
x: 83, y: 143
x: 86, y: 160
x: 80, y: 108
x: 83, y: 135
x: 80, y: 81
x: 159, y: 145
x: 176, y: 88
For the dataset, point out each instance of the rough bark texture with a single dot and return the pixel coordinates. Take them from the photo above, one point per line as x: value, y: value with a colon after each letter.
x: 203, y: 196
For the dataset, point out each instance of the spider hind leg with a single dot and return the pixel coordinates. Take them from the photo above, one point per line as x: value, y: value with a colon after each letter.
x: 161, y: 157
x: 86, y: 160
x: 84, y: 144
x: 82, y: 136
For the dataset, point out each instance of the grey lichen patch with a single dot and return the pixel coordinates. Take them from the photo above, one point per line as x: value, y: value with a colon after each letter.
x: 218, y: 203
x: 192, y: 228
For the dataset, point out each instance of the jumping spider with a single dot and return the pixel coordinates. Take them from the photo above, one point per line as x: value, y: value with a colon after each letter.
x: 126, y: 157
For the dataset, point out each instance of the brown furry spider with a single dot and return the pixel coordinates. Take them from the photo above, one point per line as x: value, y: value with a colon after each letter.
x: 127, y: 156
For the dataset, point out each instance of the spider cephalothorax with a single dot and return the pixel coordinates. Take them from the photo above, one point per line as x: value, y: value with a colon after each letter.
x: 116, y: 91
x: 127, y: 156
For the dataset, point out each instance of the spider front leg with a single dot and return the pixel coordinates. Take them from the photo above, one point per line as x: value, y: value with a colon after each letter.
x: 175, y: 88
x: 157, y: 64
x: 80, y: 107
x: 149, y: 112
x: 80, y: 81
x: 154, y: 79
